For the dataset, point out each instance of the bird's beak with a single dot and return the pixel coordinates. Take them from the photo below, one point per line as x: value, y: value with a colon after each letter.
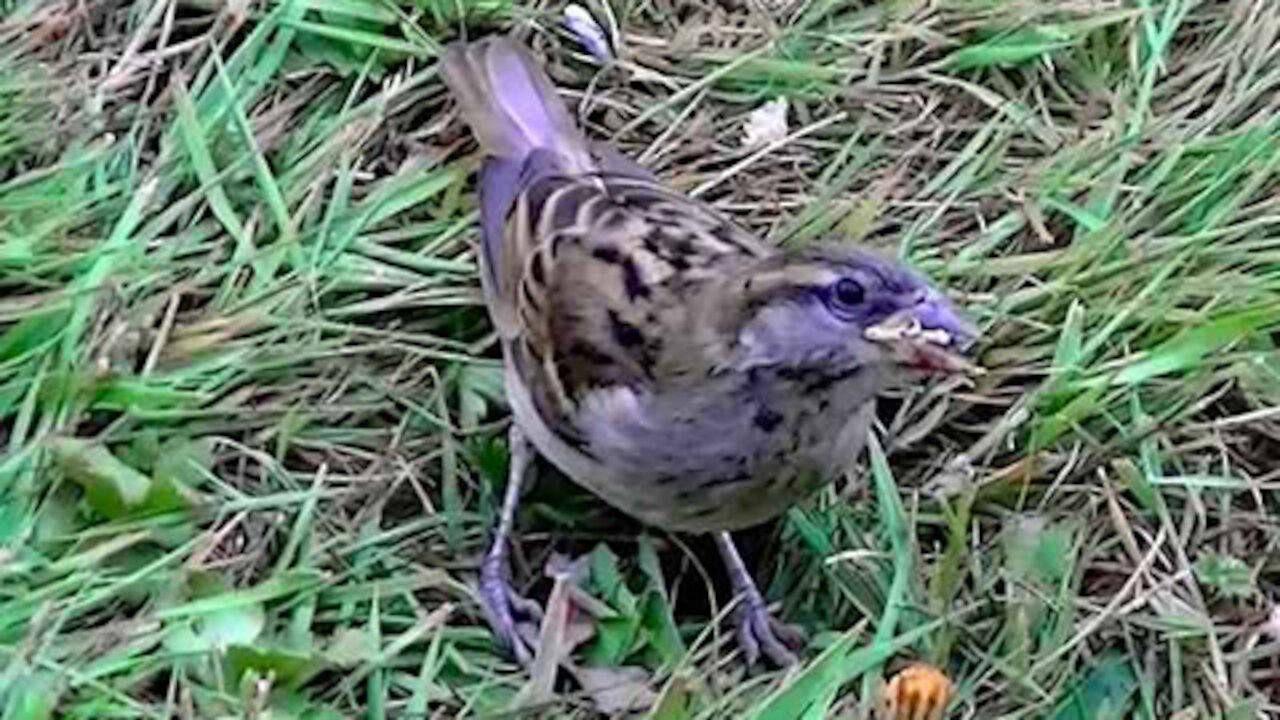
x: 928, y: 335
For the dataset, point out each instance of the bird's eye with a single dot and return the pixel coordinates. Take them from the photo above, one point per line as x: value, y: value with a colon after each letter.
x: 847, y: 294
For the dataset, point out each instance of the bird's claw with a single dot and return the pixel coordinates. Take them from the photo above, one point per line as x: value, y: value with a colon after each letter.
x: 507, y: 610
x: 758, y: 632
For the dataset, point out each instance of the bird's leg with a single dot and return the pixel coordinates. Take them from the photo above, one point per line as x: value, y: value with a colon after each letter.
x: 758, y: 631
x: 503, y: 606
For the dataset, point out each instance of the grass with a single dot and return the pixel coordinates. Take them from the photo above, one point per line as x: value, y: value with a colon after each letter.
x: 251, y: 413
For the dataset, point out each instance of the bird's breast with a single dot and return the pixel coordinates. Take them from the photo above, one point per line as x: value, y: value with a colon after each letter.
x: 724, y: 457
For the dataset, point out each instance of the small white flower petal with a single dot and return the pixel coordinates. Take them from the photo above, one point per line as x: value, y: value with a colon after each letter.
x: 584, y: 26
x: 1272, y: 625
x: 766, y: 124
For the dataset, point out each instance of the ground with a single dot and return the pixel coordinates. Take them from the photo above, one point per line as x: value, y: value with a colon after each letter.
x: 253, y: 425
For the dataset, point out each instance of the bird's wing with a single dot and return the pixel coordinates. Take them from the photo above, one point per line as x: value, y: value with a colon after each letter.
x: 592, y: 268
x: 618, y: 270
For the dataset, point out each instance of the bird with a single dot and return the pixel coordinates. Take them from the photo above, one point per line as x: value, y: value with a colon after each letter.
x: 682, y: 369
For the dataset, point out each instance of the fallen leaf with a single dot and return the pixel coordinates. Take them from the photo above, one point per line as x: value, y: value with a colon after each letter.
x: 616, y: 690
x: 564, y: 628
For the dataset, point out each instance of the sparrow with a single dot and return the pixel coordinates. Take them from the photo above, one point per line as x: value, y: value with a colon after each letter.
x: 680, y: 368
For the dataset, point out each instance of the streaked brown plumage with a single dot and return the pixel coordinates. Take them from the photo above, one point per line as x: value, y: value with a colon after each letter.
x: 661, y: 356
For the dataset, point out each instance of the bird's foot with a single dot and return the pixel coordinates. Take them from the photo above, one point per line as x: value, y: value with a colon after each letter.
x: 760, y: 632
x: 507, y: 610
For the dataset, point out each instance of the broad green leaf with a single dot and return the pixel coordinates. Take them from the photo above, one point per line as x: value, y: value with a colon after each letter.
x: 351, y: 646
x: 217, y: 629
x: 1038, y: 552
x: 185, y: 462
x: 1068, y: 353
x: 1105, y: 694
x: 31, y: 696
x: 112, y: 488
x: 615, y: 636
x: 658, y: 624
x: 1244, y: 710
x: 32, y: 332
x: 1229, y: 576
x: 480, y: 387
x: 57, y: 518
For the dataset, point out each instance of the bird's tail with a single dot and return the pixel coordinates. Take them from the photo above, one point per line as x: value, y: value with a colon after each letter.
x: 511, y: 105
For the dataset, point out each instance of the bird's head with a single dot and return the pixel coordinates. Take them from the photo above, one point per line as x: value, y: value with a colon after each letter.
x: 836, y: 309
